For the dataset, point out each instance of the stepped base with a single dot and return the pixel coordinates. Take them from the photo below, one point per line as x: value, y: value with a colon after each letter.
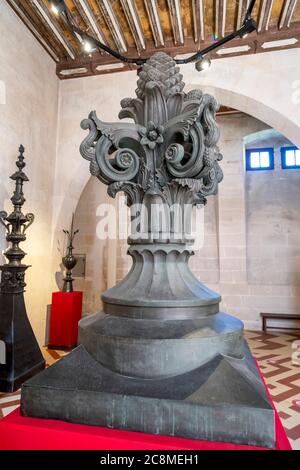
x: 159, y: 348
x: 223, y: 400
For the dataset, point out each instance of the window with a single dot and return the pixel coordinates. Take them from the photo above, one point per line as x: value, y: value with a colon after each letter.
x: 259, y: 159
x: 290, y: 157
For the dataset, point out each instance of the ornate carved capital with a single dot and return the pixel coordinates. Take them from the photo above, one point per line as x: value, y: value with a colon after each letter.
x: 172, y: 140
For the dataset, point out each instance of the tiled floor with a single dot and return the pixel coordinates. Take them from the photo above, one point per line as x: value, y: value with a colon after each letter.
x: 274, y: 354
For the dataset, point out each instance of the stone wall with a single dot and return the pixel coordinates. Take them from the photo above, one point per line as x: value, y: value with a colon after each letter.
x: 273, y: 220
x: 259, y: 227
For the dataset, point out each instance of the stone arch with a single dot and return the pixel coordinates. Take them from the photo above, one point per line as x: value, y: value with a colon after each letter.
x: 258, y: 110
x: 76, y: 184
x: 263, y: 134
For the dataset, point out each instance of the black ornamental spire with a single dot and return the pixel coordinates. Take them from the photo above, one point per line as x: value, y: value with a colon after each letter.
x: 16, y: 224
x: 22, y: 352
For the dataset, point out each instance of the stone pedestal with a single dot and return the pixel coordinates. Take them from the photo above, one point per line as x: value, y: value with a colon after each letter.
x: 160, y: 358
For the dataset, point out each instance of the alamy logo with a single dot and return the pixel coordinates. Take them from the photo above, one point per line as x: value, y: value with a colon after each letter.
x: 2, y: 352
x: 140, y: 221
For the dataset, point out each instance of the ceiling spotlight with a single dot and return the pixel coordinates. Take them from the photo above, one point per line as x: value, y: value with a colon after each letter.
x: 87, y: 44
x: 54, y: 9
x: 58, y: 6
x: 203, y: 64
x: 248, y: 27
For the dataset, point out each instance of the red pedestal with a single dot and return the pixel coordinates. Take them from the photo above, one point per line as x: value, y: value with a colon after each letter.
x: 19, y: 433
x: 66, y: 312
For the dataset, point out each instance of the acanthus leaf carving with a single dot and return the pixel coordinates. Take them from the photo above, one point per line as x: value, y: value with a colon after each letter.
x: 183, y: 122
x: 134, y: 192
x: 173, y: 137
x: 144, y: 176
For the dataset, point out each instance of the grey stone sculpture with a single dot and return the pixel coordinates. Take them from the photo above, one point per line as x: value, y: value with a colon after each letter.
x: 161, y: 358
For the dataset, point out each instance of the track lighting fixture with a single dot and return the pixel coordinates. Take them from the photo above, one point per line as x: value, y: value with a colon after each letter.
x: 90, y: 43
x: 248, y: 27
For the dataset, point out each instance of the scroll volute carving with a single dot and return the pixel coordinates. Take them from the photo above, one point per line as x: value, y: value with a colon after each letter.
x: 172, y: 143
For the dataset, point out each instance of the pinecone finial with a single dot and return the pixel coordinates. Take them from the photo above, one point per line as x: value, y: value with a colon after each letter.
x: 162, y: 70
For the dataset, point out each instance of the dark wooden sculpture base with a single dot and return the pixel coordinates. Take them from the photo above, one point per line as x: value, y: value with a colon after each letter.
x: 224, y: 400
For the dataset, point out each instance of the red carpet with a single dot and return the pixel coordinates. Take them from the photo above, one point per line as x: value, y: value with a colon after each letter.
x: 18, y: 433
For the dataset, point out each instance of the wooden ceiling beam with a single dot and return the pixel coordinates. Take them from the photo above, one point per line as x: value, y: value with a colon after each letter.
x: 226, y: 111
x: 220, y: 18
x: 53, y: 26
x: 176, y: 21
x: 90, y: 19
x: 153, y: 15
x: 62, y: 19
x: 264, y: 15
x: 17, y: 7
x: 242, y: 8
x: 287, y: 12
x: 113, y: 24
x: 198, y: 20
x: 134, y: 22
x: 90, y: 15
x: 255, y: 43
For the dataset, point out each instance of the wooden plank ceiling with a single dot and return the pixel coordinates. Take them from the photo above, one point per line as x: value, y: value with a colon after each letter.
x: 141, y: 27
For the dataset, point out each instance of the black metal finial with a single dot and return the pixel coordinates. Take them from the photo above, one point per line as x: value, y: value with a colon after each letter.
x: 69, y: 260
x: 20, y: 162
x: 16, y: 224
